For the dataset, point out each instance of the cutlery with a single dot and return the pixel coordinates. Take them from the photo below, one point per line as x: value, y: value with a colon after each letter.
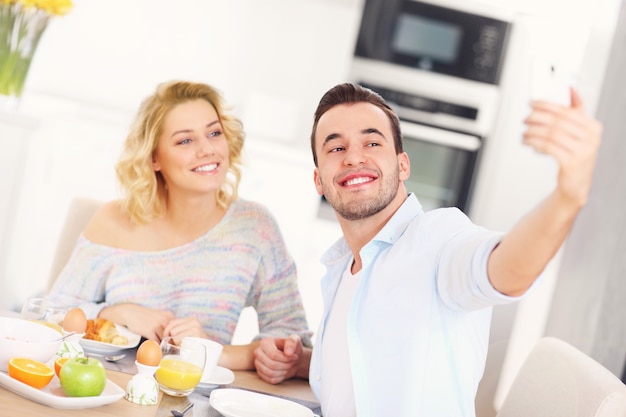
x: 109, y: 358
x: 181, y: 413
x: 65, y: 336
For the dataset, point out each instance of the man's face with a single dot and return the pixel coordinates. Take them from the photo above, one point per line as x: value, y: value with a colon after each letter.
x: 358, y: 169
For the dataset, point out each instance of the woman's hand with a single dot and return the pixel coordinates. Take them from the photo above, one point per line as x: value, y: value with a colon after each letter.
x: 147, y: 322
x: 187, y: 327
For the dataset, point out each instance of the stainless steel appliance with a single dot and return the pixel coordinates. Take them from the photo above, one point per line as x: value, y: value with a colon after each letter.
x: 438, y: 64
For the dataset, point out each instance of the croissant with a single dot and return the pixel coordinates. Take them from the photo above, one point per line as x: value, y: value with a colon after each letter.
x: 103, y: 330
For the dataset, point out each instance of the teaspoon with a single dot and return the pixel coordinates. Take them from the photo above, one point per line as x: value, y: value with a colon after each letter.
x: 65, y: 336
x: 181, y: 413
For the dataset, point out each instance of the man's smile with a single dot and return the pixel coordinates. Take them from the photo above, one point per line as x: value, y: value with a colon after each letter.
x: 356, y: 179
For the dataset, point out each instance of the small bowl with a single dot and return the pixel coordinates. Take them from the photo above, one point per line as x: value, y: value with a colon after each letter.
x: 27, y: 339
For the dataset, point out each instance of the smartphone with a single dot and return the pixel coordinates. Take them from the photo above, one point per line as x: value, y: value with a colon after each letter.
x: 550, y: 81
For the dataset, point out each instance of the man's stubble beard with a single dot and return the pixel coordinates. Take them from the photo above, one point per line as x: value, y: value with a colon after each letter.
x: 359, y: 210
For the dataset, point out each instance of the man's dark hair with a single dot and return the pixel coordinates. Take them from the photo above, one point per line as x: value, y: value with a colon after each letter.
x: 353, y: 93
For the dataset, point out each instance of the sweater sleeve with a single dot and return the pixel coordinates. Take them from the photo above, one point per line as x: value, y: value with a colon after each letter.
x: 276, y: 296
x: 81, y: 282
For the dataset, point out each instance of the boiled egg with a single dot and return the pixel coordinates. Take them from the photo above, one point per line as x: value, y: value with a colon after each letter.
x: 75, y: 321
x: 149, y: 353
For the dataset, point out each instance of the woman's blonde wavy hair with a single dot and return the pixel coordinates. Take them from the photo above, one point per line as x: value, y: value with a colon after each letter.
x: 144, y: 190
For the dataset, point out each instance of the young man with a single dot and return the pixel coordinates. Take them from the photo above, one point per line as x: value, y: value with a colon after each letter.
x: 408, y: 294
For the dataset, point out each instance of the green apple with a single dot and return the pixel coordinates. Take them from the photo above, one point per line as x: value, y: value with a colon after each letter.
x: 83, y: 377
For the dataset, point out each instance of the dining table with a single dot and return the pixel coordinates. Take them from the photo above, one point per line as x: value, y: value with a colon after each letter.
x: 120, y: 373
x: 296, y: 390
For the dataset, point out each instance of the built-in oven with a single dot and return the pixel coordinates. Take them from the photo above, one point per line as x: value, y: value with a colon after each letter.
x: 438, y: 64
x: 440, y: 161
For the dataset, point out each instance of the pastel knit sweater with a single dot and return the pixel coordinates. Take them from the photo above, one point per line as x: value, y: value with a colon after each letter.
x: 240, y: 262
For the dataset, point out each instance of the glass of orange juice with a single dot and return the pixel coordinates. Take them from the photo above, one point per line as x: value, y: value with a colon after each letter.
x: 181, y: 367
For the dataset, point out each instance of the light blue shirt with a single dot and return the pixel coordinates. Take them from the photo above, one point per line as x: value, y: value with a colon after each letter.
x: 418, y: 327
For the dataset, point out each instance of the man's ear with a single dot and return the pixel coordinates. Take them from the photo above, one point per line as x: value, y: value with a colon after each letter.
x: 404, y: 165
x: 318, y: 181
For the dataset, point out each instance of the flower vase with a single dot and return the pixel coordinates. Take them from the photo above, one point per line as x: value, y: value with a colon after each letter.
x: 21, y: 29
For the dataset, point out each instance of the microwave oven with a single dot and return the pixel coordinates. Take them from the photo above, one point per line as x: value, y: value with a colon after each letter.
x: 462, y: 39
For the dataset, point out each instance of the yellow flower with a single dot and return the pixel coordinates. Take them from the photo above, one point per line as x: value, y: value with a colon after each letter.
x: 22, y: 22
x: 51, y: 7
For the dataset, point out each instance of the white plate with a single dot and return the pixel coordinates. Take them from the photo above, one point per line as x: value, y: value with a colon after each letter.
x: 219, y: 376
x: 102, y: 348
x: 241, y: 403
x: 52, y: 395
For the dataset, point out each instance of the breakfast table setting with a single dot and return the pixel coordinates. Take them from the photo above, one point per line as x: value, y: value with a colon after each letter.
x: 132, y: 369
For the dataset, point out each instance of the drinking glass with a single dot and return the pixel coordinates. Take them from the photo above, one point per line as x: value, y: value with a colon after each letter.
x: 213, y: 352
x: 43, y: 310
x: 181, y: 367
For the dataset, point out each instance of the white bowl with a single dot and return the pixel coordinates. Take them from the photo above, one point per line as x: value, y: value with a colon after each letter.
x: 26, y: 339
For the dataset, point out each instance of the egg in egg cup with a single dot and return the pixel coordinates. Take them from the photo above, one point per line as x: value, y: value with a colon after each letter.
x: 75, y: 321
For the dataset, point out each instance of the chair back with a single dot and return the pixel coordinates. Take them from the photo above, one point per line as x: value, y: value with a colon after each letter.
x: 558, y: 380
x: 79, y: 213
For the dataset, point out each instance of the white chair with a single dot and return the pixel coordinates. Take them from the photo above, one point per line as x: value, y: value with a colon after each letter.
x: 558, y: 380
x: 78, y: 215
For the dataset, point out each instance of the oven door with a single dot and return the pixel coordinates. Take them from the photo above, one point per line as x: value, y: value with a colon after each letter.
x: 443, y: 163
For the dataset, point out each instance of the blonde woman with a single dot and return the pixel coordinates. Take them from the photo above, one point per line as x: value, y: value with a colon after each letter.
x: 180, y: 254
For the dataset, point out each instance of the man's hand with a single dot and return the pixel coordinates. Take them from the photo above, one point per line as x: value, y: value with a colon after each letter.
x: 278, y: 359
x: 572, y: 138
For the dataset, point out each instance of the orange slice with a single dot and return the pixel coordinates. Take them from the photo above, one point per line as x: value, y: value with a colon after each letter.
x: 58, y: 364
x: 29, y: 371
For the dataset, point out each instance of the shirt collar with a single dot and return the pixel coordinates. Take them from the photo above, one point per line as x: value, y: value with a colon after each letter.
x: 391, y: 232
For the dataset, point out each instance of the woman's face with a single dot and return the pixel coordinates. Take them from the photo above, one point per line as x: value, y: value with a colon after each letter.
x: 192, y: 152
